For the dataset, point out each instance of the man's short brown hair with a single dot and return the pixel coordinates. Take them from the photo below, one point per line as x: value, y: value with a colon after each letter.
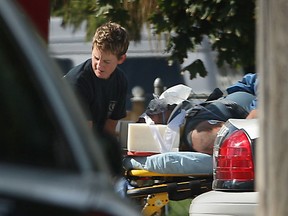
x: 204, y: 135
x: 111, y: 37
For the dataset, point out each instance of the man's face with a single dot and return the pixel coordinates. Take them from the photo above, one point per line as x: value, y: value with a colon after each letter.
x: 104, y: 63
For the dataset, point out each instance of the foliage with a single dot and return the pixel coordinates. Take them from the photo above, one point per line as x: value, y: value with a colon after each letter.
x: 229, y: 25
x: 130, y: 14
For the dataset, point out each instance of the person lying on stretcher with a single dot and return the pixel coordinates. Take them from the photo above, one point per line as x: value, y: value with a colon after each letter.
x: 204, y: 120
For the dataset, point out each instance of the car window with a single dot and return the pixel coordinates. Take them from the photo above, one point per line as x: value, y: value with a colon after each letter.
x: 28, y: 132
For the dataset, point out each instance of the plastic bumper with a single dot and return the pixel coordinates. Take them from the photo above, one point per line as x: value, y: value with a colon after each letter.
x: 224, y: 204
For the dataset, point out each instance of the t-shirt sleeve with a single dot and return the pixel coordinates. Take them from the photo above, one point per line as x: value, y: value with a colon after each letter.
x: 247, y: 84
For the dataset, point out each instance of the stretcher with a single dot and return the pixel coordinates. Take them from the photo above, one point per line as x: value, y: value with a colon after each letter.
x: 155, y: 170
x: 155, y: 180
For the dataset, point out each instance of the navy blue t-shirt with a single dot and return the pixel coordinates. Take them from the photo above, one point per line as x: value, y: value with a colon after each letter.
x: 102, y: 99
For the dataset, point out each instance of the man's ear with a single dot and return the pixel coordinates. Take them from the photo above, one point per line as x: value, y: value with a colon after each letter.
x: 122, y: 59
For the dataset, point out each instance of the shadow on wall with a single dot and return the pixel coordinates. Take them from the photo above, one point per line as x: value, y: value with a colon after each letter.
x: 65, y: 64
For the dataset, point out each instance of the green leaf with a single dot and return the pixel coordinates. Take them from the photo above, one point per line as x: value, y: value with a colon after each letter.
x: 228, y: 24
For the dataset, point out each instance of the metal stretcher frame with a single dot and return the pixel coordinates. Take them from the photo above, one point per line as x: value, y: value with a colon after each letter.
x: 171, y: 187
x: 177, y: 184
x: 146, y: 173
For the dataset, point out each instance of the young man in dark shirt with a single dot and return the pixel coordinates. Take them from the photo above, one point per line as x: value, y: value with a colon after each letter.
x: 99, y: 83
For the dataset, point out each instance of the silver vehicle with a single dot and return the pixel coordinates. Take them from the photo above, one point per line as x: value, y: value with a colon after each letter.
x: 233, y: 172
x: 50, y: 162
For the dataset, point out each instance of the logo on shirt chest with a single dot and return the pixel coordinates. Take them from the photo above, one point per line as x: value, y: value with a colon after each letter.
x: 111, y: 107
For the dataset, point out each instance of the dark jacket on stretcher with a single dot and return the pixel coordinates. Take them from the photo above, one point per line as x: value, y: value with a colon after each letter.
x: 234, y: 105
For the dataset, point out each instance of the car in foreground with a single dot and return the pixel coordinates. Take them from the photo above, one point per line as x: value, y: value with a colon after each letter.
x: 233, y: 190
x: 50, y: 161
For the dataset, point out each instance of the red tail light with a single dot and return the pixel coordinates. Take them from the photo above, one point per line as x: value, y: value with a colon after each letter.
x: 235, y: 159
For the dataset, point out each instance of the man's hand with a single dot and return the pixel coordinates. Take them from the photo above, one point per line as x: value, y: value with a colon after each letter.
x: 110, y: 126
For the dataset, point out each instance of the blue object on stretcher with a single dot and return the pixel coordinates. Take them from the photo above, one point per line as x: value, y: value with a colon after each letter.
x: 172, y: 163
x: 167, y: 176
